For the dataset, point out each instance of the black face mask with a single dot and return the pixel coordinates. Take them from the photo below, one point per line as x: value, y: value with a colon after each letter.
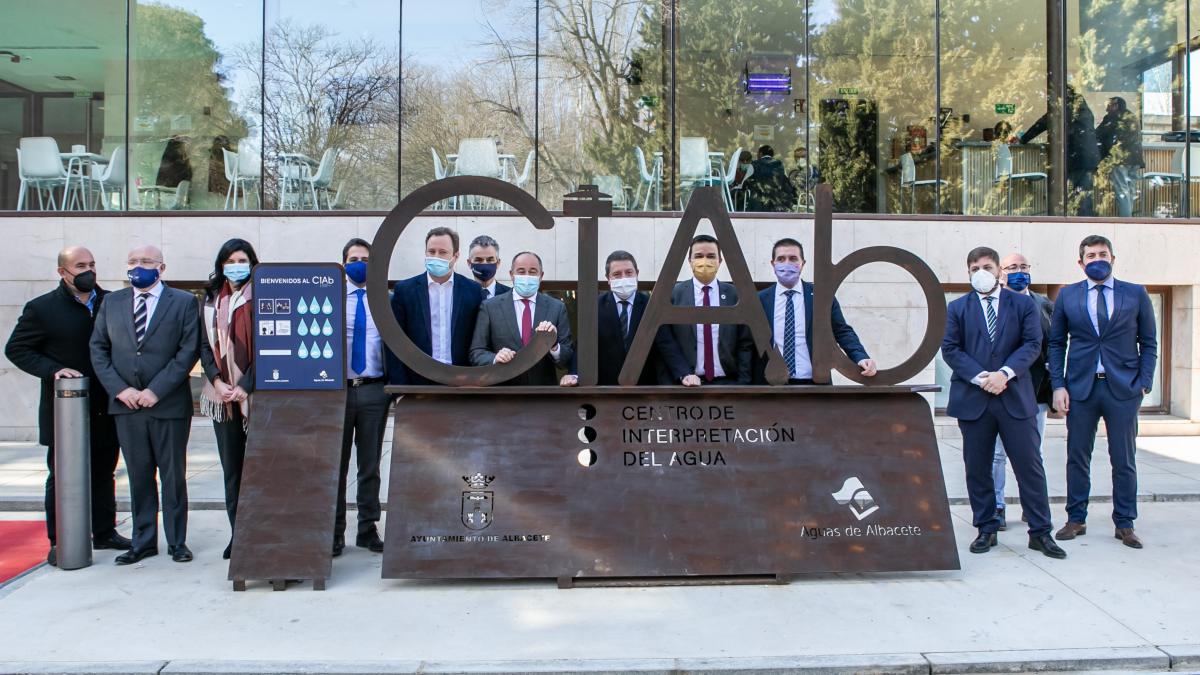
x: 85, y: 282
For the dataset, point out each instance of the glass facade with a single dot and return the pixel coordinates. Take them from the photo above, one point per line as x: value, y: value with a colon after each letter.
x: 1054, y: 107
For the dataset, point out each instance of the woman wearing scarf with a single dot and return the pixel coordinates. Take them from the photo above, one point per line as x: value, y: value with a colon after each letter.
x: 227, y: 356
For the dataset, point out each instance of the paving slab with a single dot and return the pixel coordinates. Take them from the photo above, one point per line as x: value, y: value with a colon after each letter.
x: 1049, y: 660
x: 81, y: 668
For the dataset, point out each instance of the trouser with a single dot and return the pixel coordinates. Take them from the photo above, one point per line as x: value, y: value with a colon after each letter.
x: 231, y: 446
x: 104, y: 489
x: 1079, y: 193
x: 366, y: 419
x: 1120, y: 420
x: 1000, y: 459
x: 1021, y: 441
x: 1123, y: 179
x: 153, y: 445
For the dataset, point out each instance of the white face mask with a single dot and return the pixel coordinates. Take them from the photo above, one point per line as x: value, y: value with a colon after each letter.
x: 623, y: 288
x: 984, y: 282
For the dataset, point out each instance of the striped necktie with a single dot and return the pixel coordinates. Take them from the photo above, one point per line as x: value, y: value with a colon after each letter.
x: 789, y: 332
x: 991, y: 318
x: 141, y: 316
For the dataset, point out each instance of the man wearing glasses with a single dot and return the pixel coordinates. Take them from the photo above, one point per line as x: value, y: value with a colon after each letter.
x: 1015, y: 275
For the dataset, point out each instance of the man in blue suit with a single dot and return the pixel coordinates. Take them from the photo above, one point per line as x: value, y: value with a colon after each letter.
x: 993, y: 336
x: 1109, y: 327
x: 483, y: 257
x: 790, y: 312
x: 437, y: 309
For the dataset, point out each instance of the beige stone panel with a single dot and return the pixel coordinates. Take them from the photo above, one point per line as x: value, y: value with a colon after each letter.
x: 1149, y: 253
x: 110, y: 239
x: 901, y: 294
x: 513, y: 233
x: 634, y: 235
x: 305, y: 239
x: 190, y: 245
x: 31, y: 247
x: 907, y: 235
x: 1053, y: 248
x: 950, y: 242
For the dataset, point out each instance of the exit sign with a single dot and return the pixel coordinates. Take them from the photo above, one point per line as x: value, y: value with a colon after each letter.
x: 1006, y: 108
x: 847, y: 91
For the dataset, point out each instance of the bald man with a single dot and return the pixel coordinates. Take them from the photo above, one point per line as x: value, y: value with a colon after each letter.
x: 50, y: 341
x: 146, y: 340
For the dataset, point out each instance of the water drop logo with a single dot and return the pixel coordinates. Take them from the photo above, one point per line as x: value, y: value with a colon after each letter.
x: 327, y: 329
x: 327, y: 308
x: 328, y: 351
x: 315, y: 328
x: 302, y: 331
x: 302, y: 308
x: 314, y: 308
x: 303, y: 352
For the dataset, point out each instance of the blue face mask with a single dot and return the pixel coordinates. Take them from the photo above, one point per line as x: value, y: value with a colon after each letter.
x: 526, y: 285
x: 1098, y: 270
x: 142, y: 277
x: 437, y: 267
x: 357, y: 271
x: 484, y: 271
x: 1017, y: 281
x: 237, y: 272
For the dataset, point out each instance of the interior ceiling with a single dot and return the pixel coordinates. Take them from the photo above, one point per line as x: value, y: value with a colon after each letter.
x: 61, y: 37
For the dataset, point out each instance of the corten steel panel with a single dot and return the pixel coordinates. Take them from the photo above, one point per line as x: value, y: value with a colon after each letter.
x: 289, y: 487
x: 762, y: 508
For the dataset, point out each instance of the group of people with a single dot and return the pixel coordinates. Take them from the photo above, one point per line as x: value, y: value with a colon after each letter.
x: 139, y: 345
x: 1015, y: 357
x: 765, y: 185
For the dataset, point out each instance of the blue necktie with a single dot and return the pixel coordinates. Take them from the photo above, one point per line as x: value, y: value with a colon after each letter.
x: 358, y: 347
x: 1101, y: 309
x: 789, y: 332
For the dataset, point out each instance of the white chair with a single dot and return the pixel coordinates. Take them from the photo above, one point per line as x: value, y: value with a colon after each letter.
x: 612, y: 186
x: 319, y: 182
x: 727, y: 178
x: 243, y: 170
x: 180, y: 201
x: 439, y: 172
x: 527, y: 171
x: 695, y: 169
x: 112, y: 179
x: 1006, y: 177
x: 651, y: 182
x: 909, y: 183
x: 477, y: 157
x: 231, y: 173
x: 40, y: 167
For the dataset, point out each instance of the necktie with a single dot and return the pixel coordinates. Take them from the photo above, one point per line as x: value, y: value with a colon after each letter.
x: 526, y: 324
x: 991, y: 318
x: 624, y: 319
x: 789, y: 332
x: 1101, y: 308
x: 358, y: 346
x: 709, y: 362
x: 141, y: 316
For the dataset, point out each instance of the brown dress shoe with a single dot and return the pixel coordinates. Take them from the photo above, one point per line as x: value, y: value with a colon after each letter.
x: 1070, y: 531
x: 1127, y: 537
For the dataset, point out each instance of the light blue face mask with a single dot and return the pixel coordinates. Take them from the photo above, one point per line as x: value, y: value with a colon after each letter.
x: 437, y: 267
x: 526, y: 285
x: 237, y: 272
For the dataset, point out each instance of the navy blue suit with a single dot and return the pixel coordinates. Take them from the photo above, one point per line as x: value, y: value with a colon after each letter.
x: 969, y: 351
x: 410, y: 305
x: 1127, y: 349
x: 846, y: 338
x: 613, y: 347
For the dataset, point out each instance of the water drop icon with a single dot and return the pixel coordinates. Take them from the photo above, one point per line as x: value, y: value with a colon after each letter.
x: 327, y: 329
x: 302, y: 308
x: 313, y: 308
x: 302, y: 331
x: 303, y: 353
x: 328, y: 351
x: 314, y: 328
x: 326, y: 308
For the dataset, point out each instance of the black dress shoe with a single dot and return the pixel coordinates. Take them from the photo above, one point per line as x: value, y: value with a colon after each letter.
x: 369, y: 541
x: 1001, y: 518
x: 135, y: 555
x: 1045, y: 544
x: 113, y: 541
x: 984, y: 542
x: 52, y: 557
x: 180, y: 553
x: 339, y: 544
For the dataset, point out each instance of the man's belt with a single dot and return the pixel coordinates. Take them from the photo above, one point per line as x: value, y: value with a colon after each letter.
x: 360, y: 381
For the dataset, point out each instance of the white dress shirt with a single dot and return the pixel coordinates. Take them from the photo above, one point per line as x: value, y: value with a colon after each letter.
x: 155, y: 292
x: 995, y: 295
x: 441, y: 304
x: 803, y: 362
x: 714, y: 299
x: 1093, y: 297
x: 489, y: 292
x: 519, y: 308
x: 374, y: 342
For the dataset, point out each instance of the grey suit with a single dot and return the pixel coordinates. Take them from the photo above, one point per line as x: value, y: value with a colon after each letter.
x: 735, y: 345
x: 496, y: 327
x: 155, y: 438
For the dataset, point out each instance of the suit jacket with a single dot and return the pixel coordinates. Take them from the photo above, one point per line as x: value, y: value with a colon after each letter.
x: 846, y: 338
x: 1039, y: 371
x: 1127, y: 349
x: 497, y: 328
x: 501, y: 289
x: 613, y: 347
x: 410, y: 305
x: 968, y: 351
x: 735, y: 345
x: 51, y: 334
x: 163, y: 361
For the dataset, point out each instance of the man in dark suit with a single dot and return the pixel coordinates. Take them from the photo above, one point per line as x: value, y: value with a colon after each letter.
x: 619, y: 314
x: 791, y: 315
x: 483, y: 256
x: 706, y: 353
x: 507, y: 322
x: 1015, y: 276
x: 50, y: 341
x: 146, y: 340
x: 437, y: 309
x: 1102, y: 352
x: 992, y: 337
x: 367, y: 404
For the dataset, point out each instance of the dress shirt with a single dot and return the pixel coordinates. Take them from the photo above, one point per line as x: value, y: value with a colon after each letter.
x: 519, y: 308
x: 978, y: 379
x: 489, y: 291
x: 1092, y: 297
x: 714, y: 299
x: 803, y: 362
x: 441, y: 303
x: 91, y: 302
x: 374, y: 342
x: 151, y: 302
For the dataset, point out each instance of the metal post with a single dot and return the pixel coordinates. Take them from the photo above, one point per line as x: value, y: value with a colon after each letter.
x: 72, y: 473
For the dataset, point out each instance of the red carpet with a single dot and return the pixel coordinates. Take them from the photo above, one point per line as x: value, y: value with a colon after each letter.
x: 22, y: 545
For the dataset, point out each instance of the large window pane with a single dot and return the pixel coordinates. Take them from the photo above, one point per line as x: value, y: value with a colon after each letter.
x: 603, y: 97
x: 993, y: 85
x: 1124, y: 97
x: 469, y: 93
x: 332, y: 92
x: 872, y: 102
x: 62, y: 77
x: 195, y: 132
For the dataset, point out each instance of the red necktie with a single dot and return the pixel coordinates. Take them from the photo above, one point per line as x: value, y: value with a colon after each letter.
x: 526, y: 324
x: 708, y: 342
